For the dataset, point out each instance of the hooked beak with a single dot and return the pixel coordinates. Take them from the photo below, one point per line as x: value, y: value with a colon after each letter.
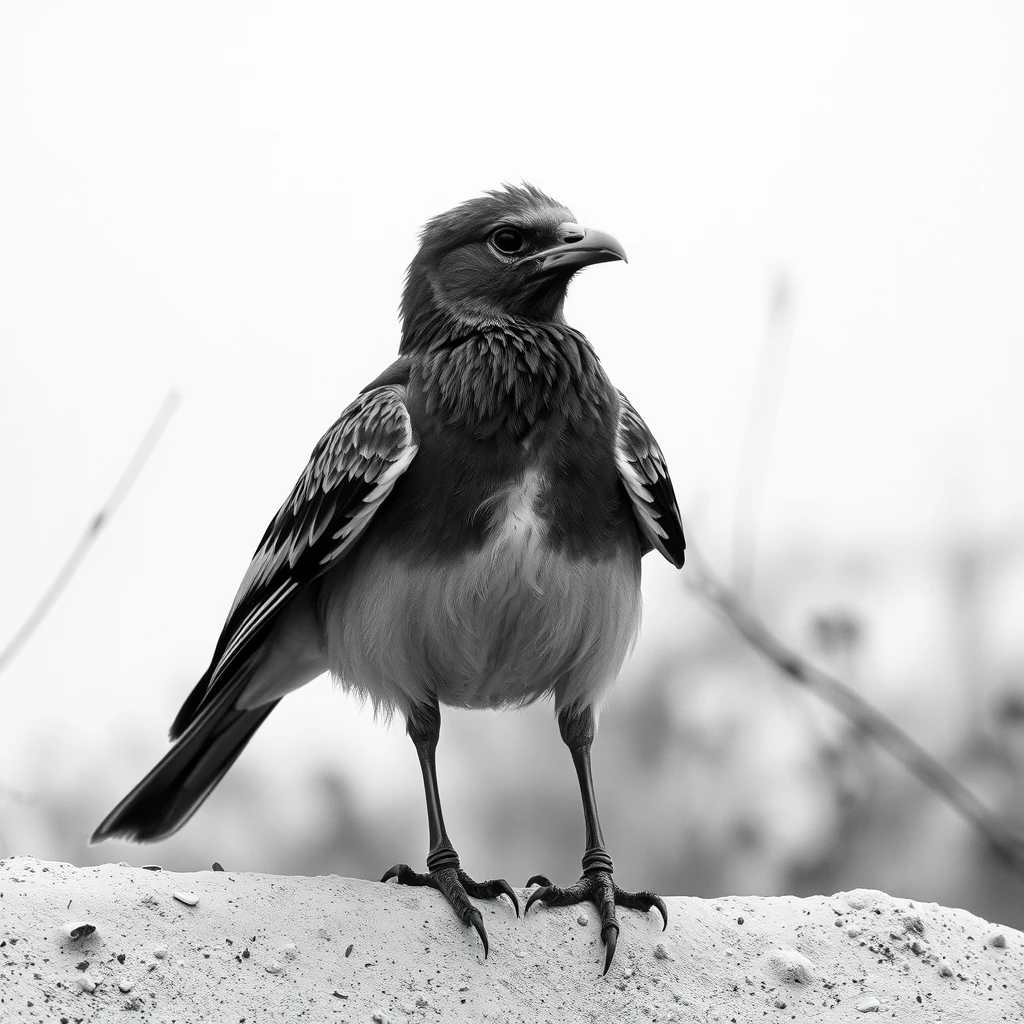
x: 580, y: 247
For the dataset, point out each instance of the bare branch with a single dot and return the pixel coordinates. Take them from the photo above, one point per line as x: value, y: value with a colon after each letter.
x: 854, y: 707
x: 92, y: 531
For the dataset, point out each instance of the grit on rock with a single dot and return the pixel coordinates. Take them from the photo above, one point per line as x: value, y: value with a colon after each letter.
x: 107, y: 943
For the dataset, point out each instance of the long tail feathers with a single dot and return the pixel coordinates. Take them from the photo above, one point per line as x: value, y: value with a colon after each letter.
x: 173, y: 791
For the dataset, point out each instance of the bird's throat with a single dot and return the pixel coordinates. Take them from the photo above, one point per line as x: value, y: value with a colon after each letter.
x: 505, y: 378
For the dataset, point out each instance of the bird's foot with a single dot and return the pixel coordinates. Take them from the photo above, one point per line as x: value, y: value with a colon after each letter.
x: 597, y: 887
x: 445, y: 875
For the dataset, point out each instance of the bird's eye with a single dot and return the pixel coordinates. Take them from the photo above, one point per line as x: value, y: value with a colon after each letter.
x: 508, y: 240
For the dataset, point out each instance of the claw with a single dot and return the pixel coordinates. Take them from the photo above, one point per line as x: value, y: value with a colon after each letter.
x: 537, y: 894
x: 393, y: 872
x: 610, y: 938
x: 508, y: 891
x: 539, y: 880
x: 477, y: 921
x: 660, y: 904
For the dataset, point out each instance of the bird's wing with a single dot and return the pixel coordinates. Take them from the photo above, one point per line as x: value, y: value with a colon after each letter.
x: 350, y: 473
x: 643, y: 471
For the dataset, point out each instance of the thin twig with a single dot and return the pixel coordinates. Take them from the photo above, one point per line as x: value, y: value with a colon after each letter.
x: 854, y: 707
x: 92, y: 531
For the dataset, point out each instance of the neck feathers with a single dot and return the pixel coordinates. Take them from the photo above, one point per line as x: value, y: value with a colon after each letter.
x: 507, y: 377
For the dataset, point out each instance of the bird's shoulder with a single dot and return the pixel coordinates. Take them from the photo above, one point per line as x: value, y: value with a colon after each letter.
x: 644, y: 473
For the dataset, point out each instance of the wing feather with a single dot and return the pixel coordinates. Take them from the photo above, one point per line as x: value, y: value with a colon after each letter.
x: 350, y: 473
x: 644, y: 473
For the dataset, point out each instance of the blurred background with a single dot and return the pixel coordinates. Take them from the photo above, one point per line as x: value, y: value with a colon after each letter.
x: 821, y: 321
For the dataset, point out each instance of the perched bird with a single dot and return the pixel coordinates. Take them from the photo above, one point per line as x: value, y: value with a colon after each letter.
x: 468, y: 533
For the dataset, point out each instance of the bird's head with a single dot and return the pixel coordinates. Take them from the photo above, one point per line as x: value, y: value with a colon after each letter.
x: 506, y: 256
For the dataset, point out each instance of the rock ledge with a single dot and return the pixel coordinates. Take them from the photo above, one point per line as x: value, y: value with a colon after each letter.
x: 90, y: 944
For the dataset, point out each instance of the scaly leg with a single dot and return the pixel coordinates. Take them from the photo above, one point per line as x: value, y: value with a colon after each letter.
x: 596, y: 884
x: 444, y: 872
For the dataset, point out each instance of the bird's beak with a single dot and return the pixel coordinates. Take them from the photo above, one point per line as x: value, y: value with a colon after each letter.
x: 579, y: 248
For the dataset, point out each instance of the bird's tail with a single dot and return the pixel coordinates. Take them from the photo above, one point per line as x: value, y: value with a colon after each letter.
x: 173, y: 791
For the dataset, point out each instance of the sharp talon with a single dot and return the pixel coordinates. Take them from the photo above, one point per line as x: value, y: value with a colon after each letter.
x: 507, y: 890
x: 660, y: 904
x: 392, y: 872
x: 610, y: 936
x: 537, y: 894
x: 477, y: 921
x: 539, y: 880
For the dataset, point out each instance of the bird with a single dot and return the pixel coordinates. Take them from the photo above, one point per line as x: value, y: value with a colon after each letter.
x: 468, y: 533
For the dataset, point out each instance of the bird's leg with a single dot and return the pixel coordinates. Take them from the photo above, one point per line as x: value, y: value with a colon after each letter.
x: 596, y: 884
x: 444, y: 872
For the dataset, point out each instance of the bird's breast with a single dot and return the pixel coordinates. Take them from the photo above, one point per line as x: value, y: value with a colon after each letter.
x: 502, y: 621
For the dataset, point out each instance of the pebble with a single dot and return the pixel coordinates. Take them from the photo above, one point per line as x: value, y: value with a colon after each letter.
x: 273, y: 967
x: 854, y: 930
x: 77, y: 930
x: 945, y: 971
x: 190, y: 899
x: 151, y: 867
x: 998, y: 939
x: 86, y: 984
x: 160, y: 952
x: 869, y: 1005
x: 341, y: 995
x: 791, y: 966
x: 660, y: 952
x: 126, y: 984
x: 583, y: 919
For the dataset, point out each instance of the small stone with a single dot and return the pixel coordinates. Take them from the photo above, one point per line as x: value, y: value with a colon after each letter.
x: 421, y: 1002
x: 289, y: 951
x: 348, y: 949
x: 660, y: 952
x: 190, y: 899
x: 86, y: 984
x: 854, y: 930
x: 78, y: 930
x: 160, y: 952
x: 945, y: 971
x: 913, y: 923
x: 273, y: 967
x: 217, y: 866
x: 998, y: 939
x: 151, y: 867
x: 583, y: 919
x: 779, y: 1004
x: 869, y: 1004
x: 126, y: 985
x: 791, y: 966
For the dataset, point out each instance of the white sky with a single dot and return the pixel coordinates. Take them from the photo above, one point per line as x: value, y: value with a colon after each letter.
x: 222, y: 198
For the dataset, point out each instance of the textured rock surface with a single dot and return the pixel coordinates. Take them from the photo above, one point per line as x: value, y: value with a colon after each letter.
x: 258, y: 948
